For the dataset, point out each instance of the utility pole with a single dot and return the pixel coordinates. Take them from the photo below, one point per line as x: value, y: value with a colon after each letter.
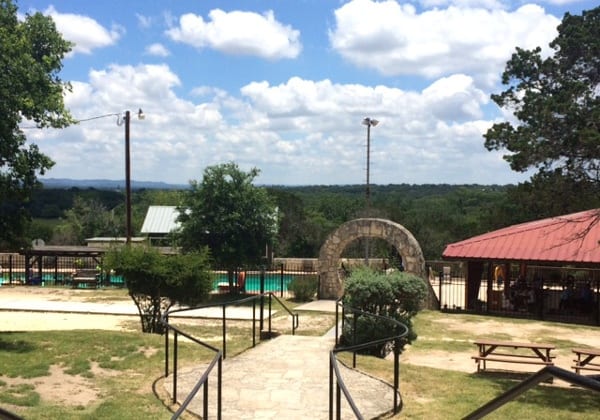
x: 369, y: 122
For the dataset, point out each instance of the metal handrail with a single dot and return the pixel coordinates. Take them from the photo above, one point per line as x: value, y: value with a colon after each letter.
x: 219, y: 354
x: 544, y: 374
x: 340, y: 386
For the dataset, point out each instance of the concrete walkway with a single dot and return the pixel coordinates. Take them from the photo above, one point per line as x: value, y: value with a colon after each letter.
x: 284, y: 378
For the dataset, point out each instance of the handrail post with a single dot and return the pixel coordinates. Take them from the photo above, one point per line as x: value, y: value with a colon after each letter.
x: 262, y: 297
x: 205, y: 401
x: 167, y: 346
x: 253, y: 322
x: 330, y: 387
x: 338, y: 401
x: 354, y: 322
x: 219, y: 387
x: 270, y: 298
x: 396, y: 374
x: 224, y: 332
x: 175, y: 367
x: 281, y: 277
x: 337, y: 321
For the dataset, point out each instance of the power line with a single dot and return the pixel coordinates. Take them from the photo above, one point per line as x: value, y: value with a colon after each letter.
x: 118, y: 115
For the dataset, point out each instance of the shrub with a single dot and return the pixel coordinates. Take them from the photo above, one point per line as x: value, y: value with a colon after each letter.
x: 398, y: 295
x: 156, y: 282
x: 304, y: 288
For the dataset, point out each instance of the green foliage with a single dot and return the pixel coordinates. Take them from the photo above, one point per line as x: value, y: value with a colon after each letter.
x: 397, y: 295
x: 21, y: 395
x: 87, y: 219
x: 557, y: 105
x: 31, y: 51
x: 228, y: 214
x: 550, y: 194
x: 304, y: 288
x: 435, y: 214
x: 156, y: 282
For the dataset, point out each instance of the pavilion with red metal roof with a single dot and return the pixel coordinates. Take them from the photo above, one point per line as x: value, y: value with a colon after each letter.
x: 571, y: 240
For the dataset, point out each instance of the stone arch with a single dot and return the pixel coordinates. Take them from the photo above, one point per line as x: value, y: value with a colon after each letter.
x: 331, y: 285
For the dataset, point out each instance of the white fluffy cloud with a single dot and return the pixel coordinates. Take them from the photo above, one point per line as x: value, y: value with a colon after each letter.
x: 297, y: 132
x: 306, y: 129
x: 86, y: 33
x: 239, y: 33
x: 395, y: 39
x: 158, y: 50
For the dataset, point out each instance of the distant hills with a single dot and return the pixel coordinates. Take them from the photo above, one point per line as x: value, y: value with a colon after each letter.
x: 107, y: 184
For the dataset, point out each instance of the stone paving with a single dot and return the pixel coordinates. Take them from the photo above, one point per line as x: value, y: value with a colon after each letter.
x: 284, y: 378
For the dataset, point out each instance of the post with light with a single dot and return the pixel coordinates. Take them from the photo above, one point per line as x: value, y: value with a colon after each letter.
x: 127, y: 121
x: 369, y: 122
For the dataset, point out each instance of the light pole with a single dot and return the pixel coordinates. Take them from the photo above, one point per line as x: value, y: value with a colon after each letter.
x: 369, y: 122
x: 127, y: 121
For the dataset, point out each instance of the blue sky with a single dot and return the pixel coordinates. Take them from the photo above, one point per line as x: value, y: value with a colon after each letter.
x: 283, y: 86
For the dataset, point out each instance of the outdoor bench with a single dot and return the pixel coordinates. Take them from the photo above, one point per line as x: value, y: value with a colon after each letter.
x: 85, y: 277
x: 510, y: 352
x: 584, y: 360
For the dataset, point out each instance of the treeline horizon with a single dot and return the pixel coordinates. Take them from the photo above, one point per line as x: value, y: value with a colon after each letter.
x: 436, y: 214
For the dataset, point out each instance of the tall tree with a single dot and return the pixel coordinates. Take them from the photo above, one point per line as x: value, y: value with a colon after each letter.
x: 31, y: 53
x: 227, y: 213
x: 556, y: 101
x: 87, y: 219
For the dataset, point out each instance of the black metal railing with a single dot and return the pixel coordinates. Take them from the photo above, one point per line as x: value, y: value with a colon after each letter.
x: 220, y: 354
x: 399, y: 331
x: 539, y: 297
x: 544, y: 374
x: 275, y: 279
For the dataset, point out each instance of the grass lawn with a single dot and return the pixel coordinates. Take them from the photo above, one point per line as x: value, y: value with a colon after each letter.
x: 120, y: 370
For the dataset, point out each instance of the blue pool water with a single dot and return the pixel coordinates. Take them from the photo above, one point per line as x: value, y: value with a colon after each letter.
x: 273, y: 282
x: 49, y: 279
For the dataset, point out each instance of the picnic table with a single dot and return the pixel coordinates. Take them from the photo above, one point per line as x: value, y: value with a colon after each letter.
x: 512, y: 352
x: 585, y: 358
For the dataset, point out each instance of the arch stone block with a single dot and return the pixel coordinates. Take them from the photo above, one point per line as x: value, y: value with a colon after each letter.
x: 395, y: 234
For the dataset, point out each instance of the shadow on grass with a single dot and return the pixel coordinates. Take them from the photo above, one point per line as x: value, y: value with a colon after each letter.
x: 15, y: 345
x: 545, y: 394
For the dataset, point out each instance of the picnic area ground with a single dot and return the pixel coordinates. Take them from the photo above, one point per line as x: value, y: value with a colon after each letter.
x: 454, y: 358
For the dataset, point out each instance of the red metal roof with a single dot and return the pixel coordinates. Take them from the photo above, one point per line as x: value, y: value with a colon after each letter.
x: 573, y: 238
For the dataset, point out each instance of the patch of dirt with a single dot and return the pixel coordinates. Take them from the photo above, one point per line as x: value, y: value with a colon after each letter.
x: 60, y: 387
x: 76, y: 390
x: 148, y: 351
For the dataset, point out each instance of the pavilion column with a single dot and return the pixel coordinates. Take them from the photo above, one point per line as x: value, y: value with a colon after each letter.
x: 474, y: 271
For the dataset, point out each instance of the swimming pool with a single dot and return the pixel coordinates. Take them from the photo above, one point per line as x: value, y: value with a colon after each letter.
x: 274, y: 282
x: 50, y: 279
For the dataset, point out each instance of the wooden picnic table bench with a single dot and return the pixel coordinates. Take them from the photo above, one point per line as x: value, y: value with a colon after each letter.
x: 512, y: 352
x: 584, y: 359
x: 85, y: 277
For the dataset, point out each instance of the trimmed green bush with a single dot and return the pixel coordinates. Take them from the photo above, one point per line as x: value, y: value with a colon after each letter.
x: 156, y: 282
x: 304, y: 288
x: 398, y: 295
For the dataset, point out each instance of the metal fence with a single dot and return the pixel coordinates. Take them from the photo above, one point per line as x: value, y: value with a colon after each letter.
x: 60, y: 270
x: 50, y: 270
x: 563, y: 294
x: 275, y: 279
